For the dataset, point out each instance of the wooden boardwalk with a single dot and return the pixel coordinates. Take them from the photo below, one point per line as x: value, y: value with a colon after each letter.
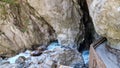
x: 95, y: 61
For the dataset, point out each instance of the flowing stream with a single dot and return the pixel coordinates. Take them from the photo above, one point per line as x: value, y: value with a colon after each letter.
x: 52, y: 46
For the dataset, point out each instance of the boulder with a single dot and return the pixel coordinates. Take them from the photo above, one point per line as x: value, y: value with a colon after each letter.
x: 105, y: 15
x: 64, y: 16
x: 21, y: 28
x: 58, y: 57
x: 31, y: 23
x: 9, y: 66
x: 63, y: 66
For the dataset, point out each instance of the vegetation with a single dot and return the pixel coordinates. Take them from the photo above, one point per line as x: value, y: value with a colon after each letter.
x: 20, y: 18
x: 9, y: 1
x: 3, y: 11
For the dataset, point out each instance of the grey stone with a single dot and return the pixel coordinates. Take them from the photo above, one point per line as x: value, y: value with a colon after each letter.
x: 63, y: 66
x: 4, y: 62
x: 64, y: 16
x: 106, y: 18
x: 63, y: 56
x: 9, y: 66
x: 18, y: 32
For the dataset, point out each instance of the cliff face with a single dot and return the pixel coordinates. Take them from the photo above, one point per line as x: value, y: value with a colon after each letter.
x: 21, y: 27
x: 26, y: 23
x: 64, y: 16
x: 30, y: 23
x: 105, y: 15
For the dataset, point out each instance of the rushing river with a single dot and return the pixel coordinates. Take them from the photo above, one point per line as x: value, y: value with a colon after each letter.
x: 27, y: 53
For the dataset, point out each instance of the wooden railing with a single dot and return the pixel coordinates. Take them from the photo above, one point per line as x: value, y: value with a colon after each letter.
x: 94, y: 60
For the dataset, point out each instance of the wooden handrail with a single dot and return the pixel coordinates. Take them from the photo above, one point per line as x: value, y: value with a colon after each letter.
x: 94, y: 60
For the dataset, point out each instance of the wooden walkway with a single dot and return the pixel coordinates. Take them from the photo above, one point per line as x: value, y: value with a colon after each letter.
x: 95, y: 61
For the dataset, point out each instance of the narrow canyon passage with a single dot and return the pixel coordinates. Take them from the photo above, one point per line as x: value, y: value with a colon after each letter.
x: 58, y: 33
x: 89, y: 32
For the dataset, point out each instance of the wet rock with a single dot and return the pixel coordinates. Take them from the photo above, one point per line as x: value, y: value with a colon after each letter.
x: 53, y: 45
x: 78, y: 65
x: 27, y: 64
x: 2, y: 62
x: 39, y: 47
x: 36, y: 53
x: 34, y: 66
x: 25, y: 54
x: 48, y: 64
x: 65, y: 56
x: 54, y: 58
x: 20, y: 60
x: 1, y: 59
x: 42, y: 48
x: 9, y: 66
x: 63, y: 66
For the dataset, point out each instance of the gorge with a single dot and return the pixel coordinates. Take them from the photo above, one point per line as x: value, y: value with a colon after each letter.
x: 55, y: 33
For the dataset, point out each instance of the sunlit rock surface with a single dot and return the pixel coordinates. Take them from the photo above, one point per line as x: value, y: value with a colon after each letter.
x: 106, y: 19
x: 21, y: 27
x: 27, y: 23
x: 64, y: 16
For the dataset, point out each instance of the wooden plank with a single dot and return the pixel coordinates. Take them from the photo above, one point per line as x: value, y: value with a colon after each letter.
x: 95, y: 61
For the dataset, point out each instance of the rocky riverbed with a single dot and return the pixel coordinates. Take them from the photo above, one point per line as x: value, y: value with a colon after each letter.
x: 54, y: 56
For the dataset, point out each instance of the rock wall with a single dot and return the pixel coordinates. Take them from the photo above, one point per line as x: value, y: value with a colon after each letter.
x: 89, y: 32
x: 21, y: 27
x: 64, y: 16
x: 105, y: 15
x: 24, y: 23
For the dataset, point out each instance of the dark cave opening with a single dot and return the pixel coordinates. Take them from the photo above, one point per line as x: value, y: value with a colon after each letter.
x: 89, y: 27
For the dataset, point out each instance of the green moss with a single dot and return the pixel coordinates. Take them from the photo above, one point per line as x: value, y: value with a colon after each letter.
x: 1, y: 6
x: 21, y: 20
x: 24, y: 30
x: 9, y: 1
x: 3, y: 11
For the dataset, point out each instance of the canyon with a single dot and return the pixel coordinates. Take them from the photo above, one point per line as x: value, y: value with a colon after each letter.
x: 73, y: 24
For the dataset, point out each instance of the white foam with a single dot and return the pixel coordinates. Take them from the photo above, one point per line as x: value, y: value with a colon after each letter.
x: 53, y: 45
x: 85, y: 55
x: 26, y: 54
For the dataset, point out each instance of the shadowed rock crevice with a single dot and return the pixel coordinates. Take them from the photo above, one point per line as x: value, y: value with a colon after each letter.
x: 89, y: 30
